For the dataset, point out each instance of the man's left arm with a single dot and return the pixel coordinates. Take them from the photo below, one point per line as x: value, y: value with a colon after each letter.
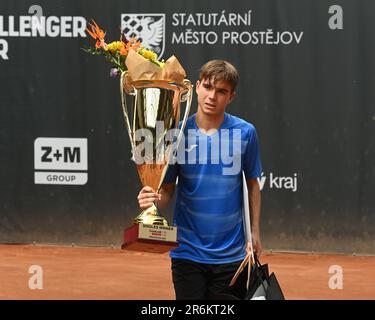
x: 254, y: 206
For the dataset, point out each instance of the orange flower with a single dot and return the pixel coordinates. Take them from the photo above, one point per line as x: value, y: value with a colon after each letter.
x: 133, y: 43
x: 97, y: 34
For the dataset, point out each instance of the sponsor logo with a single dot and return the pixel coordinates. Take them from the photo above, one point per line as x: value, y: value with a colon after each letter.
x: 148, y: 28
x: 280, y: 183
x: 36, y: 24
x: 60, y: 161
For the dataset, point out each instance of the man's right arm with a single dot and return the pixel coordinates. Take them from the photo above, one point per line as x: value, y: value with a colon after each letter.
x: 147, y: 196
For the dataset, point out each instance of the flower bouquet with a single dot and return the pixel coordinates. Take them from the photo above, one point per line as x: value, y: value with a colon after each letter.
x: 131, y: 57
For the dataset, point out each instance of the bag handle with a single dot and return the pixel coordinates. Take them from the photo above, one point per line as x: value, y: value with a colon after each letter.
x: 242, y: 266
x: 246, y: 261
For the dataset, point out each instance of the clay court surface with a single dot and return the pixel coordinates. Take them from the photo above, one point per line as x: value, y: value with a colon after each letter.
x: 112, y: 273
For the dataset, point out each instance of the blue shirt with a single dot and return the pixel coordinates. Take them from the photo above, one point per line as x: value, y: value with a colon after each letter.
x: 208, y: 210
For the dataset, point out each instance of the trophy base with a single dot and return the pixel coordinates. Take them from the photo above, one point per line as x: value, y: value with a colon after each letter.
x: 150, y: 238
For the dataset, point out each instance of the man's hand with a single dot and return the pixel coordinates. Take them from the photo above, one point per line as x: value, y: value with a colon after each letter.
x: 146, y: 197
x: 257, y: 245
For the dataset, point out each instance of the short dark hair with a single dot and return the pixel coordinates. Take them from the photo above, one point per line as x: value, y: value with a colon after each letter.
x: 219, y: 70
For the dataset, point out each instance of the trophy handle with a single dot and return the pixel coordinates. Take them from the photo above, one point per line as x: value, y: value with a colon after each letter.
x: 185, y: 97
x: 125, y: 108
x: 188, y: 98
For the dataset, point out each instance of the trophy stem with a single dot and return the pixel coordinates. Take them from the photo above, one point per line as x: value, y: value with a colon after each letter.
x: 151, y: 216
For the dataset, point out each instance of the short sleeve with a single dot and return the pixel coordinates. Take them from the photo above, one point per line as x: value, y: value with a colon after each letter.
x: 252, y: 163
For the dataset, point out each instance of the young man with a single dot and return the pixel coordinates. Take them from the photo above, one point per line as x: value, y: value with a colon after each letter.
x: 208, y: 212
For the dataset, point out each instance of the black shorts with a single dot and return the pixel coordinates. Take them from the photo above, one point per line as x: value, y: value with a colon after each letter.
x: 200, y: 281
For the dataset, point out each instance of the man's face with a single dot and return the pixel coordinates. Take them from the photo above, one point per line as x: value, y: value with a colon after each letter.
x: 213, y: 98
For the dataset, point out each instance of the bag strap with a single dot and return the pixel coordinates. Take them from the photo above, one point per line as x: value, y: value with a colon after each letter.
x: 246, y: 261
